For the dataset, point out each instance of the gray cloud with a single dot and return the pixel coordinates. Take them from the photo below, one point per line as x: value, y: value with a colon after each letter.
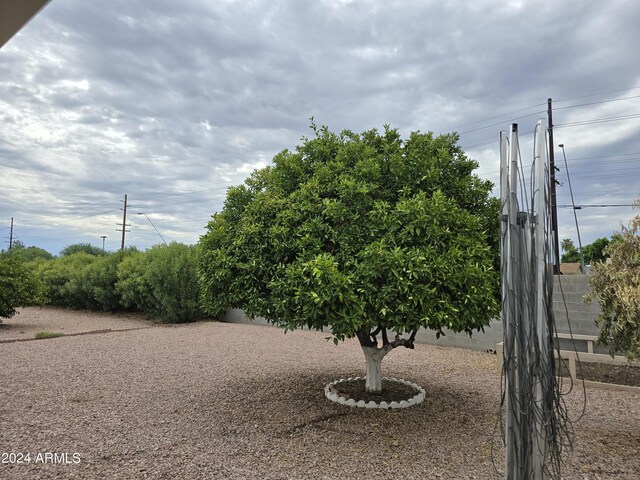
x: 171, y: 102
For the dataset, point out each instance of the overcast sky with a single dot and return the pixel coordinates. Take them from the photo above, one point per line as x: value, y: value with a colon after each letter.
x: 172, y: 102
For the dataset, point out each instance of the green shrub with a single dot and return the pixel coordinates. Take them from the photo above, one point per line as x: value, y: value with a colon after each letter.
x: 28, y: 254
x: 18, y: 286
x: 616, y: 286
x: 132, y: 286
x: 98, y: 281
x: 82, y: 247
x: 82, y: 280
x: 64, y: 280
x: 162, y: 282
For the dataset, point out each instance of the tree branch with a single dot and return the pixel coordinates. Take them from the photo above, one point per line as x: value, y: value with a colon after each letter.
x: 385, y: 339
x: 368, y: 339
x: 374, y: 335
x: 403, y: 342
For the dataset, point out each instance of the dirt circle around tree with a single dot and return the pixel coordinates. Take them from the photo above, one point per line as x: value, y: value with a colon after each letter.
x: 396, y: 393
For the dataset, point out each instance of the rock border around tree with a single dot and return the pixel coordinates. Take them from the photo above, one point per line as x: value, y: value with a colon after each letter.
x: 331, y: 393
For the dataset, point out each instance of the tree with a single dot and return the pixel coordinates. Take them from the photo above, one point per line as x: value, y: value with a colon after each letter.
x: 16, y: 244
x: 566, y: 245
x: 571, y: 256
x: 366, y: 234
x: 82, y: 247
x: 28, y: 254
x: 595, y: 252
x: 18, y: 287
x: 616, y: 285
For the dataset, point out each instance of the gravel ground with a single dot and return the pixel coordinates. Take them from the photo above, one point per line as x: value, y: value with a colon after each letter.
x: 215, y: 400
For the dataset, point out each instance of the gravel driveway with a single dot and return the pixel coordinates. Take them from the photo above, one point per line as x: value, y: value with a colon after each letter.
x: 215, y: 400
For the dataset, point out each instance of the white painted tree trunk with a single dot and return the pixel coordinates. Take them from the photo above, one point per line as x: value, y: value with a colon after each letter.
x: 374, y: 357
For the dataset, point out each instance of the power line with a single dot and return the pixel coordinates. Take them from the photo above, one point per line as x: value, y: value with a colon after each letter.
x: 499, y: 116
x: 597, y: 94
x: 502, y: 123
x: 496, y: 173
x: 542, y: 104
x: 96, y: 214
x: 598, y: 120
x: 608, y: 155
x: 578, y: 207
x: 555, y: 108
x: 597, y: 103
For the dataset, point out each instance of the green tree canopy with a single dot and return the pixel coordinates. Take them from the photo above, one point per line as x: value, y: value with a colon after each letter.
x: 365, y: 234
x: 82, y: 247
x: 616, y: 285
x: 28, y: 254
x: 566, y: 245
x: 18, y: 287
x: 594, y: 252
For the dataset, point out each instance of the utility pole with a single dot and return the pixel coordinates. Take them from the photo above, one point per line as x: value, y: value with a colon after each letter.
x: 124, y: 223
x: 554, y: 203
x: 11, y: 235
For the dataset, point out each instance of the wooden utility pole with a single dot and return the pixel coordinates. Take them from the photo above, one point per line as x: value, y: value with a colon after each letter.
x: 124, y: 222
x: 554, y: 203
x: 11, y: 235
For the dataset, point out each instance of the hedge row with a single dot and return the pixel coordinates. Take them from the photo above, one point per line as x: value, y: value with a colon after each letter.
x: 162, y: 282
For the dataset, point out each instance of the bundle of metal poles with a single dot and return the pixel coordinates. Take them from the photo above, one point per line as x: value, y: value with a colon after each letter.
x: 531, y: 394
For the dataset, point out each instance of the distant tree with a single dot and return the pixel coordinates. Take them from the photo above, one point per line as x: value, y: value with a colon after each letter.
x: 18, y: 287
x: 367, y: 234
x: 617, y: 287
x: 595, y: 252
x: 571, y: 256
x: 17, y: 244
x: 566, y: 245
x: 82, y: 247
x: 29, y: 254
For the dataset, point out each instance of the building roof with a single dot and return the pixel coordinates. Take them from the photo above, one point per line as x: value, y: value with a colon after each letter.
x: 570, y: 269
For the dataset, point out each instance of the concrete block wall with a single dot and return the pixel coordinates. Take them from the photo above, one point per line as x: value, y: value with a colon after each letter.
x: 580, y: 316
x: 569, y: 306
x: 572, y: 313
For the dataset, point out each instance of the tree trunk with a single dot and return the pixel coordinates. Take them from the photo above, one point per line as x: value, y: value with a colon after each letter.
x: 374, y: 357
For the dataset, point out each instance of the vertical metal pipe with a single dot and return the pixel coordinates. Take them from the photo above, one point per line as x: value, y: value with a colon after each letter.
x: 541, y: 354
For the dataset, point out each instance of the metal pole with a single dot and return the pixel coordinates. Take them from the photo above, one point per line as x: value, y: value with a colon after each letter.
x: 509, y: 179
x: 573, y: 204
x: 540, y: 266
x: 11, y: 235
